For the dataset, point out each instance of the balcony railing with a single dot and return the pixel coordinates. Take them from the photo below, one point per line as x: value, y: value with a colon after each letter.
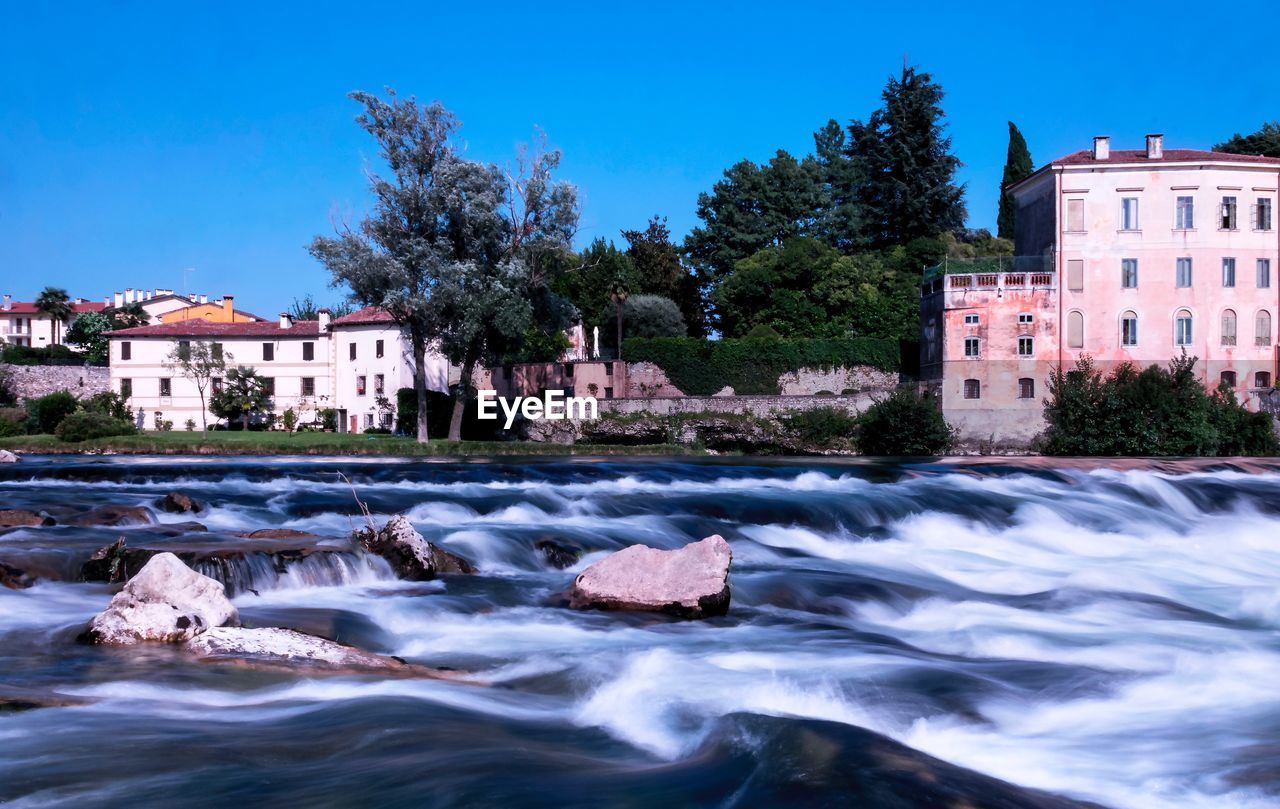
x: 1001, y: 281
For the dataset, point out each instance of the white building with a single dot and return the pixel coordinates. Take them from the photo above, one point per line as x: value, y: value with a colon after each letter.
x: 21, y: 323
x: 309, y: 365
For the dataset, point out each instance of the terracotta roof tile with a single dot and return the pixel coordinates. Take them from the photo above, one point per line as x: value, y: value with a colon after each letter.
x: 29, y: 308
x: 1169, y: 156
x: 367, y: 315
x: 198, y: 327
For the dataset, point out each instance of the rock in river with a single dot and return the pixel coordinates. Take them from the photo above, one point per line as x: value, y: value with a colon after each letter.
x: 7, y: 457
x: 166, y: 602
x: 690, y: 582
x: 273, y: 647
x: 14, y: 578
x: 277, y: 533
x: 114, y: 515
x: 14, y: 517
x: 410, y: 554
x: 178, y: 503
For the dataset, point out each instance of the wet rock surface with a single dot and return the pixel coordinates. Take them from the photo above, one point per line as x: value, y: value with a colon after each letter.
x: 277, y: 533
x: 690, y: 582
x: 14, y: 578
x: 7, y: 457
x: 178, y: 503
x: 273, y: 647
x: 113, y: 516
x: 410, y: 554
x: 558, y: 554
x: 21, y: 517
x: 166, y: 602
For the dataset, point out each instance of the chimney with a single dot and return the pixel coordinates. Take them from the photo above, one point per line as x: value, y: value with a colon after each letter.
x: 128, y: 295
x: 204, y: 298
x: 286, y: 320
x: 1155, y: 146
x: 324, y: 316
x: 1101, y: 147
x: 117, y: 300
x: 229, y: 308
x: 8, y: 302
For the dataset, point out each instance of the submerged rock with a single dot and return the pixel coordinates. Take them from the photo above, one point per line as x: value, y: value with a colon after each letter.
x: 275, y: 647
x: 21, y: 517
x: 114, y: 516
x: 690, y: 582
x: 410, y: 554
x: 7, y: 457
x: 178, y: 503
x: 27, y: 700
x: 558, y: 554
x: 165, y: 602
x: 13, y: 578
x: 277, y: 533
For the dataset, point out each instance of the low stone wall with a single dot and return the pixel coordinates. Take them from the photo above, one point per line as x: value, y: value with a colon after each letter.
x: 34, y: 381
x: 808, y: 381
x: 994, y: 431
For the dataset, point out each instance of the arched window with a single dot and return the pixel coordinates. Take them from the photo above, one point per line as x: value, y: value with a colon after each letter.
x: 1228, y: 327
x: 1129, y: 329
x: 1262, y: 328
x: 1182, y: 328
x: 1262, y: 379
x: 1075, y: 330
x: 972, y: 389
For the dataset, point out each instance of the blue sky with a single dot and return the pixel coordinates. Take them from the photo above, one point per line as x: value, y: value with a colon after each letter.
x: 137, y: 141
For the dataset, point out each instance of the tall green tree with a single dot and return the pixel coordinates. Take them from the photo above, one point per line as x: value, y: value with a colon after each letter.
x: 660, y: 271
x: 55, y: 304
x: 1265, y: 142
x: 587, y: 281
x: 199, y: 362
x: 243, y: 396
x: 904, y: 163
x: 1017, y: 165
x: 89, y: 332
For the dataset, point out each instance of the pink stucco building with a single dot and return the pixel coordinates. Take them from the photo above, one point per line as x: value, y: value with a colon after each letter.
x: 1123, y: 255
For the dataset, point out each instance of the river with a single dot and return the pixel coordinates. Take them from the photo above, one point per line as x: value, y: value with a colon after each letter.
x: 1105, y: 632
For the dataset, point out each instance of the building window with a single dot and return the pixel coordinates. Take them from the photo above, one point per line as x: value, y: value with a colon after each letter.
x: 1264, y: 273
x: 1229, y: 378
x: 1185, y: 218
x: 608, y: 369
x: 1262, y: 214
x: 1129, y: 329
x: 268, y: 352
x: 971, y: 346
x: 184, y: 348
x: 377, y: 349
x: 378, y: 386
x: 352, y: 350
x: 1075, y: 216
x: 972, y: 389
x: 1075, y: 275
x: 1026, y: 347
x: 971, y: 320
x: 1184, y: 272
x: 368, y: 421
x: 1228, y: 327
x: 308, y: 352
x: 568, y: 370
x: 1262, y: 379
x: 215, y: 385
x: 1262, y: 328
x: 1075, y: 330
x: 308, y: 386
x: 216, y: 348
x: 1129, y: 273
x: 126, y: 350
x: 269, y: 385
x: 360, y: 386
x: 1129, y: 213
x: 1228, y: 213
x: 608, y: 393
x: 1025, y: 319
x: 1026, y: 388
x: 1182, y: 328
x: 1228, y: 272
x: 166, y: 386
x: 126, y: 388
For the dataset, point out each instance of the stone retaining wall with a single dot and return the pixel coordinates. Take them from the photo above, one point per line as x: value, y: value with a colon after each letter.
x: 34, y: 381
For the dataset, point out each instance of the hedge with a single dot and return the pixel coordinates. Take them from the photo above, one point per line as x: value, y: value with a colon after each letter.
x: 44, y: 355
x: 752, y: 366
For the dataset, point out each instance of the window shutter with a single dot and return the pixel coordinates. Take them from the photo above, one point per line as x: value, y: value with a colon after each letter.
x: 1075, y: 275
x: 1075, y: 330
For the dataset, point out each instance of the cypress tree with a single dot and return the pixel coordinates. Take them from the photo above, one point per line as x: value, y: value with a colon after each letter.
x: 1016, y: 166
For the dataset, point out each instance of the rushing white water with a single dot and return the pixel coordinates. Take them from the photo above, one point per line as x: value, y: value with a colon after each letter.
x: 1107, y: 634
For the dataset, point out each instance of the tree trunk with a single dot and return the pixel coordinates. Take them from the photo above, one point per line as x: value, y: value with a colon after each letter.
x: 204, y: 417
x: 460, y: 398
x: 420, y: 385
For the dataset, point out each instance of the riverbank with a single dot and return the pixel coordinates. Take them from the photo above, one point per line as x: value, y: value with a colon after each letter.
x: 269, y: 443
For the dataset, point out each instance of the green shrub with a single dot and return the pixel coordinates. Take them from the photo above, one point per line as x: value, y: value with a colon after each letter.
x: 752, y: 366
x: 45, y: 355
x: 906, y: 423
x: 110, y: 403
x: 86, y: 424
x: 822, y: 426
x: 13, y: 421
x: 763, y: 332
x: 46, y: 413
x: 1154, y: 411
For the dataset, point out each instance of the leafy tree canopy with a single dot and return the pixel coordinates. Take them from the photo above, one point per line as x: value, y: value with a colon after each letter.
x: 1265, y: 142
x: 1017, y: 165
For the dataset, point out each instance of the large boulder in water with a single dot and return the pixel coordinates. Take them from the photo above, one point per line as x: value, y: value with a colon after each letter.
x: 7, y: 457
x: 410, y: 554
x: 21, y: 517
x: 165, y: 602
x: 690, y: 582
x: 273, y: 647
x: 178, y: 503
x: 14, y: 578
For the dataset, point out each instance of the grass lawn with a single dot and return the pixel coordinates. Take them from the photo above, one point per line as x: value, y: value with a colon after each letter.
x: 276, y: 443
